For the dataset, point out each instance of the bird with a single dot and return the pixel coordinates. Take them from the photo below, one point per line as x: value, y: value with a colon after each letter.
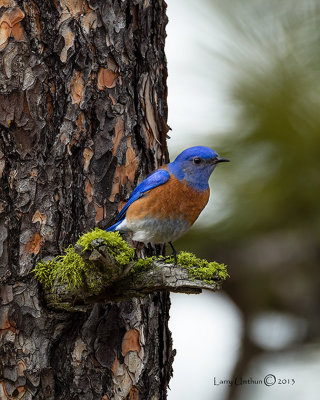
x: 168, y: 202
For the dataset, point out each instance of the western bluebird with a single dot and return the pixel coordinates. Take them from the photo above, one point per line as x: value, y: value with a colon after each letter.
x: 167, y: 203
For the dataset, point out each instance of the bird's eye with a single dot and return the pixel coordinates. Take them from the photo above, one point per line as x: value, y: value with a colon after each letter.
x: 197, y: 160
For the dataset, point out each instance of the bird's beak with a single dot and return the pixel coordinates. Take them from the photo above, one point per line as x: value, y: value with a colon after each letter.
x: 218, y: 159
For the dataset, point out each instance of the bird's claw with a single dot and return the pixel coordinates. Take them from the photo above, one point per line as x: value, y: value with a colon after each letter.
x: 165, y: 258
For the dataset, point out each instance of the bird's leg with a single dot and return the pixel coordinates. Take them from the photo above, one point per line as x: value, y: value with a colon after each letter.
x: 136, y: 251
x: 174, y: 253
x: 158, y: 250
x: 161, y: 257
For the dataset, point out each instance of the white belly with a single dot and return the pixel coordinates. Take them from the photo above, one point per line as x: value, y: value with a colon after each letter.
x: 152, y: 230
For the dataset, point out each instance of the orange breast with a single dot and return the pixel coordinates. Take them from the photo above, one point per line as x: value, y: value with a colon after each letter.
x: 174, y: 199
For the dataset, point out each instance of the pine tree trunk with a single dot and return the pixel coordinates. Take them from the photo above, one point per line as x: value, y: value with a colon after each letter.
x: 83, y: 117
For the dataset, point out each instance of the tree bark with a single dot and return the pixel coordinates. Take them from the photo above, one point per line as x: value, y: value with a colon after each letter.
x: 83, y: 118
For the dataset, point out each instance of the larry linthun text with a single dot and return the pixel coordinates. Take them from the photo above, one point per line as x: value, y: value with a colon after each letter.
x: 268, y: 380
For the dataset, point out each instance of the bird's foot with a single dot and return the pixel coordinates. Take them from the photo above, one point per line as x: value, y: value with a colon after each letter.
x: 168, y: 258
x: 174, y: 253
x: 163, y: 258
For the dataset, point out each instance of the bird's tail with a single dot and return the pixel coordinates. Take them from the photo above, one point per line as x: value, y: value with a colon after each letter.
x: 113, y: 227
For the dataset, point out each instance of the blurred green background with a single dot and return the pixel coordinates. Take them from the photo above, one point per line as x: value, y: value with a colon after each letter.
x: 265, y: 223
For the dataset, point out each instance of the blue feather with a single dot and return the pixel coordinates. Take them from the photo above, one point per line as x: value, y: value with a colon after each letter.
x: 113, y: 227
x: 156, y: 178
x: 196, y: 176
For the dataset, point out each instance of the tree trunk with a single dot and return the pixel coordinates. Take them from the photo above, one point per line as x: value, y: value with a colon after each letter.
x: 83, y: 117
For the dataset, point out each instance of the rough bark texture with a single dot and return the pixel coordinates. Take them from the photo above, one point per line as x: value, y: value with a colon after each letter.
x: 83, y: 118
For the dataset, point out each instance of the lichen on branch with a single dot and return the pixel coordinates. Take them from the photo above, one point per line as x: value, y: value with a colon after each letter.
x: 102, y: 266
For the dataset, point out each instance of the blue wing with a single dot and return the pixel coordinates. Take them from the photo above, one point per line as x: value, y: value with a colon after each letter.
x: 157, y: 178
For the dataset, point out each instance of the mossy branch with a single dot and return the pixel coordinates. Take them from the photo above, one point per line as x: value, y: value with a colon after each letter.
x: 101, y: 266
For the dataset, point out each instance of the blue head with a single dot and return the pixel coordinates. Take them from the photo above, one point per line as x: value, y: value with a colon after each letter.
x: 195, y: 165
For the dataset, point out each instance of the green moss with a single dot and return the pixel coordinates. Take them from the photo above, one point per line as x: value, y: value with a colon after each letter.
x: 118, y: 248
x: 71, y: 269
x: 203, y: 270
x: 142, y: 265
x: 45, y: 272
x: 75, y: 272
